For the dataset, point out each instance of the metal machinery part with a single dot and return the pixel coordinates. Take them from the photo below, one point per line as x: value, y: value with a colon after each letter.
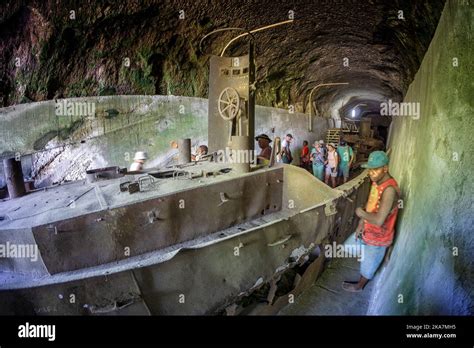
x: 229, y: 108
x: 232, y: 92
x: 310, y: 114
x: 14, y: 177
x: 229, y: 103
x: 241, y: 145
x: 231, y: 100
x: 184, y: 147
x: 275, y: 150
x: 233, y: 115
x: 106, y: 173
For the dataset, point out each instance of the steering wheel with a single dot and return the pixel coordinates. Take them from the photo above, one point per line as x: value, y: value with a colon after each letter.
x: 229, y: 103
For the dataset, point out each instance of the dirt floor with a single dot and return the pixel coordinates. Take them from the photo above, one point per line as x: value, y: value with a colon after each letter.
x: 326, y: 296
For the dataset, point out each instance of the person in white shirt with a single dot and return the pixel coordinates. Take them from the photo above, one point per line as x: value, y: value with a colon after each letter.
x: 286, y: 156
x: 138, y: 161
x: 332, y: 161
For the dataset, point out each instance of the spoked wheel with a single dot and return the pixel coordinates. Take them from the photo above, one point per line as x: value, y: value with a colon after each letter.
x: 229, y: 103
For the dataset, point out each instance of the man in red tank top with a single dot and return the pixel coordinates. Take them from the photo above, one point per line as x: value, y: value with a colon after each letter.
x: 376, y: 227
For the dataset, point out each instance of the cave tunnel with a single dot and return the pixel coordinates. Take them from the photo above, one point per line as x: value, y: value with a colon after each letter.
x: 153, y: 158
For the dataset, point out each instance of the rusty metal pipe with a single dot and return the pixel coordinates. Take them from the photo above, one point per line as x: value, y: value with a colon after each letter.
x: 14, y: 177
x: 241, y: 150
x: 310, y: 115
x: 184, y: 147
x: 275, y: 150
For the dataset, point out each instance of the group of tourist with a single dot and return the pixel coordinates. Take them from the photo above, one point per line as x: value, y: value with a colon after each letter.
x: 326, y: 162
x: 376, y: 227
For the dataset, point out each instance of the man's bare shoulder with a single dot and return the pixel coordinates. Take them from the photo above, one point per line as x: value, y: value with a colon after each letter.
x: 389, y: 196
x: 389, y: 191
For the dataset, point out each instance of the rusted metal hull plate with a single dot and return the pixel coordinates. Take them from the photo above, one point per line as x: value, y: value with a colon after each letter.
x: 207, y: 279
x: 119, y: 233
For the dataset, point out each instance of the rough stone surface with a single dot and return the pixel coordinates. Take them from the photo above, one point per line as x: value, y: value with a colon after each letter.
x: 433, y: 259
x: 64, y: 57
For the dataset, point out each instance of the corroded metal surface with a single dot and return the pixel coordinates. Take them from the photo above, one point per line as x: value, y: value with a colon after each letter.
x: 208, y: 273
x: 150, y: 221
x: 231, y: 89
x: 14, y: 177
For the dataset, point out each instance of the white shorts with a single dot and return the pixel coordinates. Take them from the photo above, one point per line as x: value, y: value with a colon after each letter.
x: 329, y: 171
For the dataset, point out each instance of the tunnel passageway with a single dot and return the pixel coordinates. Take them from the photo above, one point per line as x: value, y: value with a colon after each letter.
x: 381, y: 75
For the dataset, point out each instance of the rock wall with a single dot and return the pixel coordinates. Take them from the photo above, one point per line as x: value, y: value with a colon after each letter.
x: 431, y: 268
x: 65, y: 48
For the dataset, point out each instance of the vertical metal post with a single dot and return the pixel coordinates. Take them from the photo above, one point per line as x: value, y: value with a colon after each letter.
x: 14, y: 177
x: 241, y: 153
x: 184, y: 148
x: 251, y: 98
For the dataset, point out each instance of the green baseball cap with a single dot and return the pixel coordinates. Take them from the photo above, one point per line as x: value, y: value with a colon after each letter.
x: 377, y: 159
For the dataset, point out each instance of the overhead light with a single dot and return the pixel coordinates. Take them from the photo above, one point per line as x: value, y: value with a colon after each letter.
x: 353, y: 113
